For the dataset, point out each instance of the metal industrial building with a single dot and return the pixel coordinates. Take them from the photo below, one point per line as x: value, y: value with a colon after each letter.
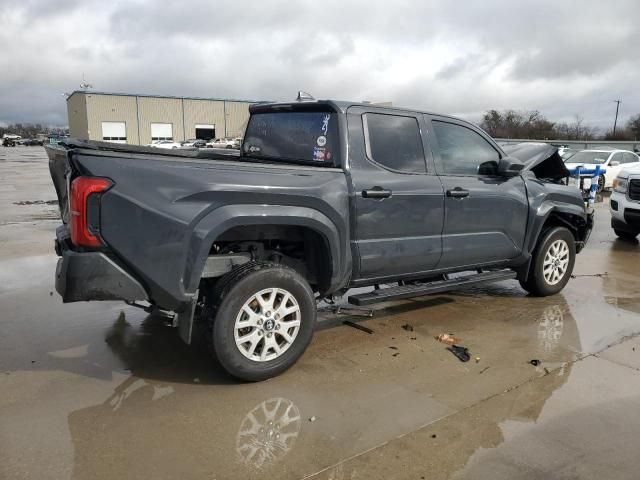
x: 141, y: 119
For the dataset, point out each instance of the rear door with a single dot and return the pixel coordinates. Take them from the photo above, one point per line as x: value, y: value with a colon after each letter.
x: 398, y: 198
x: 485, y: 214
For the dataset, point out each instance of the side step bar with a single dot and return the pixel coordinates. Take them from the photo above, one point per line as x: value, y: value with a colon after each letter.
x: 419, y: 289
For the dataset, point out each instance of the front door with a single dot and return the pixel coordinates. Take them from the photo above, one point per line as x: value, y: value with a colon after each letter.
x: 485, y: 214
x: 398, y: 198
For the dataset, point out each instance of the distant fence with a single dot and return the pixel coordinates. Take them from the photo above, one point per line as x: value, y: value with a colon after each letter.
x: 579, y: 144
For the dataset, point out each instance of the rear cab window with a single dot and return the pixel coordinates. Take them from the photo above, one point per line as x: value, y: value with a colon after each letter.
x: 304, y: 137
x: 395, y: 142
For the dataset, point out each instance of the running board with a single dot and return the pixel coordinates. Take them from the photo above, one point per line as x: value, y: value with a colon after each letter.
x: 417, y: 290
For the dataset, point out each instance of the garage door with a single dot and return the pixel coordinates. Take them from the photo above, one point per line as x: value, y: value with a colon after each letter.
x: 115, y: 132
x: 161, y: 131
x: 205, y: 132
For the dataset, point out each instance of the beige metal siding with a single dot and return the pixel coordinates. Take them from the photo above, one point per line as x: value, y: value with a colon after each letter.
x: 237, y: 117
x: 160, y: 110
x: 77, y: 112
x: 112, y: 108
x: 88, y: 110
x: 203, y: 112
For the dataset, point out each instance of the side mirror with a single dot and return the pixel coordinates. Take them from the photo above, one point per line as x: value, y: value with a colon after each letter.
x: 614, y: 163
x: 509, y: 167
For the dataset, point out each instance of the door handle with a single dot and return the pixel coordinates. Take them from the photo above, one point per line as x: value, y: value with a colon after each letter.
x: 376, y: 192
x: 458, y: 193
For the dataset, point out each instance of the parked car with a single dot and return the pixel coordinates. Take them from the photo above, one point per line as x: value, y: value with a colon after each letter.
x: 613, y: 161
x: 221, y: 143
x: 250, y: 242
x: 194, y: 143
x: 170, y: 144
x: 31, y: 142
x: 624, y: 203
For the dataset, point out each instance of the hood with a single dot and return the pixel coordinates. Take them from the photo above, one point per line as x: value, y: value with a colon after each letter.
x: 541, y: 158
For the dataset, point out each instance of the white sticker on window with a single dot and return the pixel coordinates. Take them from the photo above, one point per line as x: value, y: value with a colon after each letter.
x: 322, y: 141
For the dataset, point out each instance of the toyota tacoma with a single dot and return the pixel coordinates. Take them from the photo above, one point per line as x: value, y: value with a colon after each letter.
x: 323, y: 196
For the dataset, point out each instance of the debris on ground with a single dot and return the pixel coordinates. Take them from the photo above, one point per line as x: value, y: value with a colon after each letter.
x: 477, y: 359
x: 395, y: 354
x: 393, y: 348
x: 37, y: 202
x: 313, y: 419
x: 358, y: 327
x: 591, y: 275
x: 196, y: 380
x: 461, y: 352
x: 407, y: 327
x: 484, y: 370
x: 353, y: 311
x: 447, y: 338
x: 414, y: 338
x: 535, y: 362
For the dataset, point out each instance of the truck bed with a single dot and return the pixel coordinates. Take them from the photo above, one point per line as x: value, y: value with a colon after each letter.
x: 167, y: 207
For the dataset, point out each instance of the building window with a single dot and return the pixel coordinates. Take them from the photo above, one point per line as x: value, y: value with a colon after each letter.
x: 115, y: 132
x: 161, y: 131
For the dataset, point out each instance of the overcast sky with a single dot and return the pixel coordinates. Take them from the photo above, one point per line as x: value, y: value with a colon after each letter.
x: 459, y: 57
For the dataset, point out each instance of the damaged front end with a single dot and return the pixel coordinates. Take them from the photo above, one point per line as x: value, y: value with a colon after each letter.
x: 542, y: 159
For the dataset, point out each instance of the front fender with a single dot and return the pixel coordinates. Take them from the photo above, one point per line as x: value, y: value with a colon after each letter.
x: 218, y: 221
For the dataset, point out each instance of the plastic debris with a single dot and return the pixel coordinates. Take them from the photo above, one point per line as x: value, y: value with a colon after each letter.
x: 477, y: 359
x: 313, y: 419
x: 358, y: 327
x: 461, y: 352
x: 407, y: 327
x: 447, y: 338
x: 535, y: 362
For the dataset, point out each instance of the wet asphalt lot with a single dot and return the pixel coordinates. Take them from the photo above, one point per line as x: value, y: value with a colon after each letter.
x: 102, y: 390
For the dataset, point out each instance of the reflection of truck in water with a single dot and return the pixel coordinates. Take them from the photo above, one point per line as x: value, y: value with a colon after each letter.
x: 271, y: 431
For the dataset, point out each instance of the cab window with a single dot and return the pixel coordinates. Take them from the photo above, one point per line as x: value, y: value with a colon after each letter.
x: 395, y: 142
x: 463, y: 151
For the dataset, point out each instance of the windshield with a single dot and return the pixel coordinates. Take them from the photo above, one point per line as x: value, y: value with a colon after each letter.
x: 309, y: 137
x: 589, y: 158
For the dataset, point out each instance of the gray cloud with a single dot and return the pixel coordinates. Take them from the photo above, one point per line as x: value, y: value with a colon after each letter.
x: 563, y: 58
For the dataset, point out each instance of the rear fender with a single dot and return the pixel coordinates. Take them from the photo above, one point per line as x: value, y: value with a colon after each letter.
x: 218, y: 221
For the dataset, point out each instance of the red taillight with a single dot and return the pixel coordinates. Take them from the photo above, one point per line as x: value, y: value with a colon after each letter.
x: 81, y: 189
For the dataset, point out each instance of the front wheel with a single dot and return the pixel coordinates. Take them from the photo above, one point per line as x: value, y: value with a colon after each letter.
x: 552, y: 263
x: 263, y: 318
x: 601, y: 183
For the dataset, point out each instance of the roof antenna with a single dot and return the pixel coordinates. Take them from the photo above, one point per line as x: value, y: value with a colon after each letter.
x: 304, y: 96
x: 85, y: 85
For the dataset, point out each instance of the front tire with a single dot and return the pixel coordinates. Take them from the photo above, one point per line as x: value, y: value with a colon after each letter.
x: 601, y: 183
x: 262, y: 320
x: 552, y: 263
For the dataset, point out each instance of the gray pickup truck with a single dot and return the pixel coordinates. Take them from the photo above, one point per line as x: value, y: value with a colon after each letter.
x: 323, y: 196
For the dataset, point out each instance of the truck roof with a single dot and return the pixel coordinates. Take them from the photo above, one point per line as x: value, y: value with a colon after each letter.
x: 340, y: 106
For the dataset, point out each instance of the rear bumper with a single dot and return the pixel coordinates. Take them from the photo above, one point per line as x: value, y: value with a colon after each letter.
x: 84, y: 276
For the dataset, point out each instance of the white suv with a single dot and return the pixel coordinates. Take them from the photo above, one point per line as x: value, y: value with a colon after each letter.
x: 625, y: 203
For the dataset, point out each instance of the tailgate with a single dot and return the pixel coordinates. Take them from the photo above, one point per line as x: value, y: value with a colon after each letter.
x: 59, y: 168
